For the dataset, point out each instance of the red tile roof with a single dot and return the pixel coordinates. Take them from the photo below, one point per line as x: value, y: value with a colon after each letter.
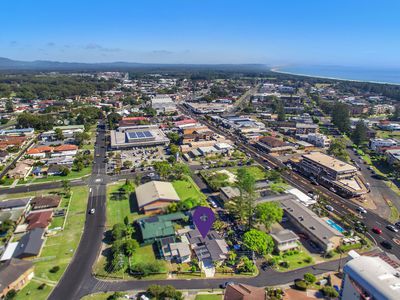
x: 244, y: 292
x: 272, y: 142
x: 41, y: 149
x: 66, y: 147
x: 39, y: 220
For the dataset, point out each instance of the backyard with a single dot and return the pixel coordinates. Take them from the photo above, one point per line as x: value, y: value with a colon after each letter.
x: 188, y: 189
x: 58, y: 250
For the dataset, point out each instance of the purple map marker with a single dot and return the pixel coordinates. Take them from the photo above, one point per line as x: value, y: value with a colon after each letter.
x: 203, y: 218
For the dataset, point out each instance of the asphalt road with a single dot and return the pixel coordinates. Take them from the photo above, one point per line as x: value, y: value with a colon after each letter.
x: 77, y: 279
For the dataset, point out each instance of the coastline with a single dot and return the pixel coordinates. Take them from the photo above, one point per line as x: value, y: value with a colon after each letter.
x: 276, y: 70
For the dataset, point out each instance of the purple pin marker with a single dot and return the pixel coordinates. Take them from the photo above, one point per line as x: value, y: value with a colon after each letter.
x: 203, y: 218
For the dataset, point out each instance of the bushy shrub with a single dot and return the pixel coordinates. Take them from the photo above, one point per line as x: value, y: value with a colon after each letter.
x: 55, y: 269
x: 330, y: 292
x: 301, y: 285
x: 310, y: 278
x: 308, y: 259
x: 42, y: 286
x: 284, y: 264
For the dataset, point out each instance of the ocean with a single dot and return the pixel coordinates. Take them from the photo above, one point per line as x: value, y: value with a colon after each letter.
x: 381, y: 75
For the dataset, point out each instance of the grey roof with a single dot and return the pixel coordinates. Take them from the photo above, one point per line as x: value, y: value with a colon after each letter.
x: 14, y: 203
x: 13, y: 214
x: 285, y: 235
x: 213, y: 246
x: 309, y: 220
x: 30, y: 244
x: 377, y: 277
x: 230, y: 191
x: 11, y: 270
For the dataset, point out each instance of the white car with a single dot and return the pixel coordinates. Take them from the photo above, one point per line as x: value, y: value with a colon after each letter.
x: 329, y: 208
x: 92, y: 211
x: 361, y: 210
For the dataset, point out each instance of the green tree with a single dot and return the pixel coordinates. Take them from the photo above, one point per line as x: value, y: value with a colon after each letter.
x: 131, y: 246
x: 244, y: 205
x: 258, y: 241
x: 11, y: 294
x: 59, y: 134
x: 81, y: 138
x: 127, y: 164
x: 359, y: 134
x: 245, y: 265
x: 309, y: 277
x: 116, y: 296
x: 174, y: 149
x: 163, y: 168
x: 174, y: 137
x: 118, y: 231
x: 9, y: 106
x: 269, y: 213
x: 329, y: 292
x: 338, y: 149
x: 341, y: 116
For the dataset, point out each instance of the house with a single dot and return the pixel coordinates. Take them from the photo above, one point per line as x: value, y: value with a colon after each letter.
x: 30, y: 244
x: 17, y: 132
x: 210, y: 250
x: 40, y: 152
x: 307, y: 222
x: 285, y: 240
x: 155, y: 196
x: 14, y: 275
x: 45, y: 202
x: 39, y: 219
x: 174, y: 251
x: 306, y: 128
x: 393, y: 156
x: 4, y: 155
x: 55, y: 170
x: 65, y: 150
x: 14, y: 204
x: 22, y: 169
x: 376, y: 144
x: 157, y: 227
x: 227, y: 193
x: 274, y: 145
x: 244, y: 292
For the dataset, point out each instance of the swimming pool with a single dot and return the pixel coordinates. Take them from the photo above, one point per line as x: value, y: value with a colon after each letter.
x: 335, y: 226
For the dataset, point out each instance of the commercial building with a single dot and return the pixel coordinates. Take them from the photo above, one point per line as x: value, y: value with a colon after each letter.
x: 163, y: 104
x: 366, y: 277
x: 137, y: 136
x: 306, y: 128
x: 274, y: 145
x: 307, y: 222
x: 14, y: 275
x: 332, y: 172
x: 17, y: 132
x: 155, y: 196
x: 317, y: 139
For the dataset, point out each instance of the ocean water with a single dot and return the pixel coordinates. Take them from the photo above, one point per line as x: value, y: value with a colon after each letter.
x: 383, y: 75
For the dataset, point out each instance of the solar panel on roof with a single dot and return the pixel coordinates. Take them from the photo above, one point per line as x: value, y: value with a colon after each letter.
x: 147, y: 134
x: 140, y: 134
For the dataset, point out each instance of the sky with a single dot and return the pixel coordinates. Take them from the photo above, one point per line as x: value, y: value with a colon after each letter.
x: 276, y: 33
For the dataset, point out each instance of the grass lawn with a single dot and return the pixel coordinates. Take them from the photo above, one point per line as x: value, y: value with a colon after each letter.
x: 28, y: 194
x: 208, y: 297
x: 188, y: 189
x: 72, y: 175
x: 120, y: 204
x: 98, y: 296
x: 295, y: 261
x: 59, y: 249
x: 257, y: 172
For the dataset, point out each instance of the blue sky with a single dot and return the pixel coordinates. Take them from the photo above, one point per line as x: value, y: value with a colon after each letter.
x: 336, y: 32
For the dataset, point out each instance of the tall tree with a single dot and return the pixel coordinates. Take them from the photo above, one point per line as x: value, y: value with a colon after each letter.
x: 341, y: 116
x: 258, y: 241
x: 243, y: 206
x: 9, y: 106
x: 338, y: 149
x: 359, y: 134
x: 269, y: 213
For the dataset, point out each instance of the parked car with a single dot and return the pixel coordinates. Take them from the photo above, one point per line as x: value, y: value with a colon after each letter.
x: 225, y: 284
x: 361, y: 210
x: 392, y: 228
x: 329, y: 208
x: 376, y: 230
x: 92, y: 211
x: 387, y: 245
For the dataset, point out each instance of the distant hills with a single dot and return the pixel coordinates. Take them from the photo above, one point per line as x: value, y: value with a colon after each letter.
x: 7, y: 64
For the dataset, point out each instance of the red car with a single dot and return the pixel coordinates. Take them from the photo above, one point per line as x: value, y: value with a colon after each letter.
x: 377, y: 230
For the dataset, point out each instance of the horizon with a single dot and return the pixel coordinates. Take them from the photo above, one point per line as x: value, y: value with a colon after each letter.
x: 233, y: 32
